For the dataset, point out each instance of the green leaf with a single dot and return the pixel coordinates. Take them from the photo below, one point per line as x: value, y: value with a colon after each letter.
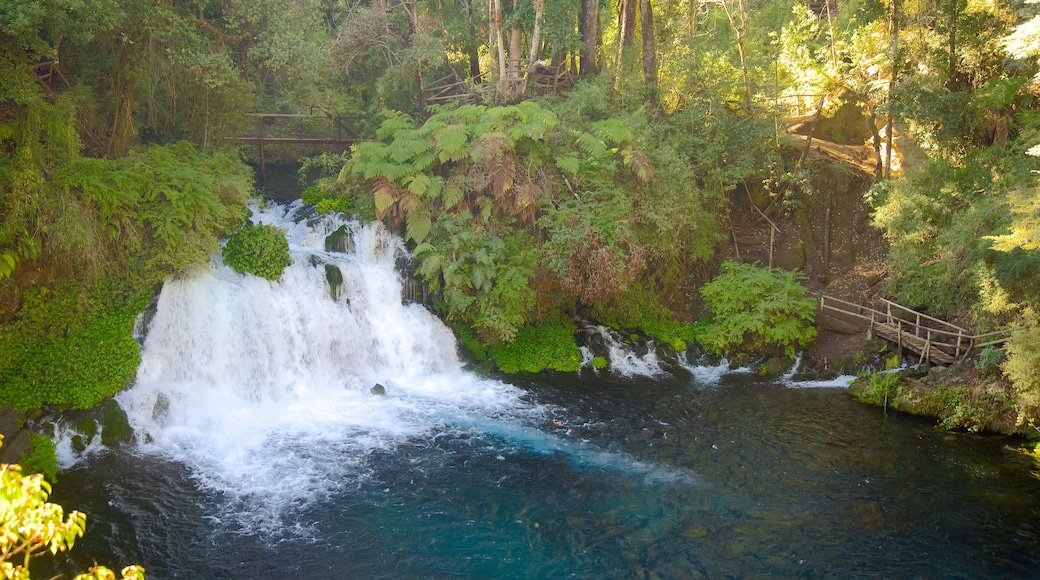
x: 569, y: 164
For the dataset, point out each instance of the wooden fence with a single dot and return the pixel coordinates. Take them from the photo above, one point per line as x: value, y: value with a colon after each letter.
x: 933, y: 339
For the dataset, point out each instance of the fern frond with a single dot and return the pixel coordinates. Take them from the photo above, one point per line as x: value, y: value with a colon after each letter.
x: 385, y: 196
x: 452, y: 195
x: 451, y: 143
x: 612, y: 130
x: 405, y: 149
x: 569, y: 164
x: 591, y: 145
x: 417, y: 183
x: 639, y: 164
x: 419, y: 223
x: 394, y: 121
x: 503, y: 178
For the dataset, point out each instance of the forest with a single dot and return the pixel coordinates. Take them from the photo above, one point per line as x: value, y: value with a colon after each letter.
x: 544, y: 161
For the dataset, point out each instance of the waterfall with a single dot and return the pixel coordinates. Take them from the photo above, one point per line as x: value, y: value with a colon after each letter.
x: 264, y: 389
x: 275, y: 394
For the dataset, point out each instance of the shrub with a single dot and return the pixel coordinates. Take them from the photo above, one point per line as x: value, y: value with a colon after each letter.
x: 72, y: 346
x: 549, y: 345
x: 640, y: 309
x: 261, y: 250
x: 754, y: 309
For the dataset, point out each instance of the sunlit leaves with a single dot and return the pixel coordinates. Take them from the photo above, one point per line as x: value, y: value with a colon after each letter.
x: 31, y: 526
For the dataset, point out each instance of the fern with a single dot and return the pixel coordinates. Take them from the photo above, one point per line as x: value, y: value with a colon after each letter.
x: 612, y: 131
x: 591, y: 145
x: 419, y: 223
x: 417, y: 183
x: 569, y: 164
x: 451, y: 195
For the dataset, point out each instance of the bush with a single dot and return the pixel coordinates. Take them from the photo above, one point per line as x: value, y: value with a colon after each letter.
x: 754, y: 309
x: 72, y: 346
x: 549, y: 345
x: 640, y: 309
x: 261, y: 250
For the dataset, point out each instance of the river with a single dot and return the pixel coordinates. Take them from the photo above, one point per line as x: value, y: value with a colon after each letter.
x: 263, y: 453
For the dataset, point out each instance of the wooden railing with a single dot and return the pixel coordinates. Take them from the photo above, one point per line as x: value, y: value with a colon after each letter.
x: 933, y: 339
x: 268, y: 132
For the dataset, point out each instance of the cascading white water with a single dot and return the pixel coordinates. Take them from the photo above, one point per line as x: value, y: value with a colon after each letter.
x: 263, y: 388
x: 623, y: 360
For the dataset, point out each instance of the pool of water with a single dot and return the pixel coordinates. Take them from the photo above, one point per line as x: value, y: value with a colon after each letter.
x: 262, y: 453
x: 663, y: 478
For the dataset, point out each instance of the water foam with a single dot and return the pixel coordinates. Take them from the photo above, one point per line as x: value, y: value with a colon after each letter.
x: 623, y: 359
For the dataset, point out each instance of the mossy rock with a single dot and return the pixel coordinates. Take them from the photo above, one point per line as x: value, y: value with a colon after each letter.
x: 335, y: 278
x: 339, y: 241
x: 775, y: 366
x: 115, y: 426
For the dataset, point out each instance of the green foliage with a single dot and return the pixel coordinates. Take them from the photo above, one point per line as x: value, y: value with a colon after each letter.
x: 547, y: 345
x: 754, y: 309
x: 882, y: 387
x: 483, y: 280
x: 599, y: 362
x: 640, y: 309
x: 960, y: 407
x: 43, y: 458
x: 470, y: 342
x: 31, y: 526
x: 1023, y: 362
x: 260, y: 250
x: 326, y: 200
x: 72, y: 346
x: 937, y: 220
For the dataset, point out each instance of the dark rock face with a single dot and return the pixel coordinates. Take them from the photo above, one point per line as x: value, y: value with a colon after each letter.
x: 378, y: 389
x: 335, y: 278
x: 339, y: 241
x: 16, y: 439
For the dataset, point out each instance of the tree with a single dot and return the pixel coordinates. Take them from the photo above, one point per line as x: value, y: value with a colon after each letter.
x: 30, y: 526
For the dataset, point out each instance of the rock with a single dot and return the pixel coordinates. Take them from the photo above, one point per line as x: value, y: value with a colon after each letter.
x: 339, y: 241
x: 15, y: 445
x: 115, y: 426
x: 335, y: 278
x: 378, y: 389
x: 10, y: 421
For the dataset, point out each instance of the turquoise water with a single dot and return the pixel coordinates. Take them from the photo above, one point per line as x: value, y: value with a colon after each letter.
x: 262, y: 453
x: 665, y: 478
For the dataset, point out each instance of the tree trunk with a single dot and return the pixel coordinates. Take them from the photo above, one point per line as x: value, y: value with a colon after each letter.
x: 890, y: 126
x: 951, y: 79
x: 628, y: 32
x: 808, y: 138
x: 801, y: 215
x: 495, y: 41
x: 646, y: 19
x: 588, y: 25
x: 472, y: 51
x: 879, y: 165
x: 738, y: 29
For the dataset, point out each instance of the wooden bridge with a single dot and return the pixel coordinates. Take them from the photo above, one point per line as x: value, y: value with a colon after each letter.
x: 296, y: 129
x: 934, y: 340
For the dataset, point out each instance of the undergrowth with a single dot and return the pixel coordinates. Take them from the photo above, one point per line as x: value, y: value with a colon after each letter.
x: 71, y: 347
x: 548, y: 345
